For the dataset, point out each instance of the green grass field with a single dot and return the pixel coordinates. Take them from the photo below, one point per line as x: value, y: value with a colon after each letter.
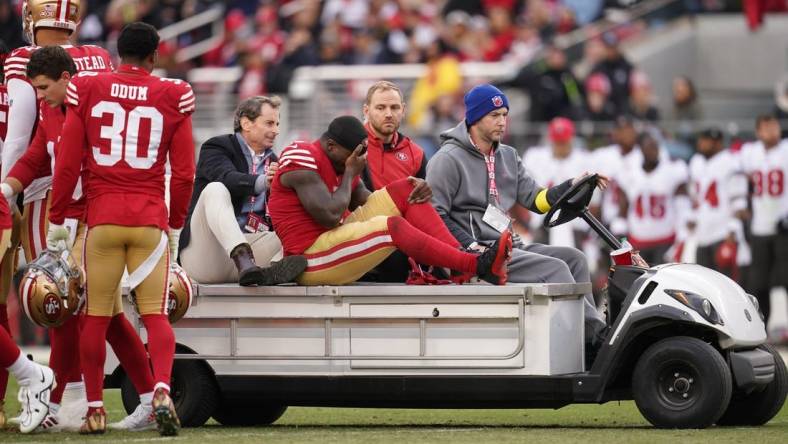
x: 609, y: 423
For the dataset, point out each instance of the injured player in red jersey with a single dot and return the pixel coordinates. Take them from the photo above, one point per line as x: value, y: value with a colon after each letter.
x: 317, y: 186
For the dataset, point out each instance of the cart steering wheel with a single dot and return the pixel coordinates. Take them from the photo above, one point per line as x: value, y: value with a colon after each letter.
x: 572, y: 203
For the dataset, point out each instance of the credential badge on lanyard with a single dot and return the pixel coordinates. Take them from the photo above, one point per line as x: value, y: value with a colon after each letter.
x: 494, y: 216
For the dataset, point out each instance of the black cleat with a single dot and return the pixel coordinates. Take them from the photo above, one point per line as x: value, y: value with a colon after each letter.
x: 283, y: 271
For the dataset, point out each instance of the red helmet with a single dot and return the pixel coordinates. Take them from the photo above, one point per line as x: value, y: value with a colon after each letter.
x: 561, y: 129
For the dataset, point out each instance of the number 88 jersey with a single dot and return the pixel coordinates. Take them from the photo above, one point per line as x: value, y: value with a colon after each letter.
x: 126, y: 124
x: 768, y: 172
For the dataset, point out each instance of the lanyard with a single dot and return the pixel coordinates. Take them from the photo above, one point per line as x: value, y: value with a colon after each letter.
x: 493, y: 189
x: 266, y: 162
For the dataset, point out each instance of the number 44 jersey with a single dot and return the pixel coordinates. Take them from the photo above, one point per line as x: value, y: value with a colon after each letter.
x: 718, y: 189
x: 124, y: 126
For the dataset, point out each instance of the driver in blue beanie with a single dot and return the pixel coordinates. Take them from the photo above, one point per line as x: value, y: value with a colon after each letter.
x: 476, y: 180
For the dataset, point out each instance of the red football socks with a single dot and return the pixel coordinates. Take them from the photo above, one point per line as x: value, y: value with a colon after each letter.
x: 9, y: 352
x: 161, y: 346
x: 64, y: 356
x: 422, y: 216
x: 92, y: 354
x: 130, y: 350
x: 7, y: 328
x: 426, y: 249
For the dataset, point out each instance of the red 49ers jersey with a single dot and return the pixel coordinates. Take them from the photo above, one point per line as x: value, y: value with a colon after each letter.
x: 3, y: 113
x: 718, y: 190
x: 126, y: 124
x: 768, y: 171
x: 86, y: 58
x: 39, y: 158
x: 296, y: 228
x: 652, y: 214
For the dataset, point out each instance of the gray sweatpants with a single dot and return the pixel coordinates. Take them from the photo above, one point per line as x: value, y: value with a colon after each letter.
x: 553, y: 264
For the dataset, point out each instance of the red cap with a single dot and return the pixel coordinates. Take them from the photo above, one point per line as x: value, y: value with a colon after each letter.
x: 598, y: 83
x: 234, y: 20
x: 561, y: 129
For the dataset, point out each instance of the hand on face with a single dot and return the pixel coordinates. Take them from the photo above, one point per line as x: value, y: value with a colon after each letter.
x: 356, y: 162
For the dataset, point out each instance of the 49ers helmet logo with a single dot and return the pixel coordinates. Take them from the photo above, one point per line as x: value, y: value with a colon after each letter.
x: 172, y: 303
x: 52, y: 307
x: 497, y: 101
x: 48, y: 11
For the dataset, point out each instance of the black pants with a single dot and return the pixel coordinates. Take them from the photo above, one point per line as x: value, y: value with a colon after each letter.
x: 706, y: 256
x: 769, y: 267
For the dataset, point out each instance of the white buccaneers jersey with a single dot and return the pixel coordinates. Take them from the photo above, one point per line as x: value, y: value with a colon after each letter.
x: 548, y: 170
x: 610, y: 162
x: 652, y: 215
x: 768, y: 171
x: 718, y: 189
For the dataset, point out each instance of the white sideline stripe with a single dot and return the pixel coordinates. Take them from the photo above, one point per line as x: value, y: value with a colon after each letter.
x: 349, y: 250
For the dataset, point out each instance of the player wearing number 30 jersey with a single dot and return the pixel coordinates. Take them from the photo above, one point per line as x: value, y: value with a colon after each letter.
x: 125, y: 125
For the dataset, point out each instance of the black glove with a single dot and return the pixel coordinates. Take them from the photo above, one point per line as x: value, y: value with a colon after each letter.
x: 782, y: 225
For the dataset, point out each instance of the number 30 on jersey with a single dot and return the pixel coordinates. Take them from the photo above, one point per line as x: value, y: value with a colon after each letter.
x: 124, y: 135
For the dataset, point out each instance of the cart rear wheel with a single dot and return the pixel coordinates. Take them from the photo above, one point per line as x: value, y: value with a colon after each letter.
x: 681, y: 382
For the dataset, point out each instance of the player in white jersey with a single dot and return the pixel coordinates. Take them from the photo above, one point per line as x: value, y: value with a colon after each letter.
x: 611, y: 161
x: 653, y: 195
x: 719, y: 200
x: 552, y: 165
x: 765, y: 162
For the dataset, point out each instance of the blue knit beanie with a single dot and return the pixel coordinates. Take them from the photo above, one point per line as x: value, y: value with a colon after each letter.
x: 481, y: 100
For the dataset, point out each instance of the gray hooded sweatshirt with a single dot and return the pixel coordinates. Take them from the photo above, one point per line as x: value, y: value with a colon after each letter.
x: 457, y: 174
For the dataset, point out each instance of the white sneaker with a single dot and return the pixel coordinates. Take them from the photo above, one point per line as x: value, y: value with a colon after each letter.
x: 139, y: 420
x: 36, y: 400
x: 19, y: 418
